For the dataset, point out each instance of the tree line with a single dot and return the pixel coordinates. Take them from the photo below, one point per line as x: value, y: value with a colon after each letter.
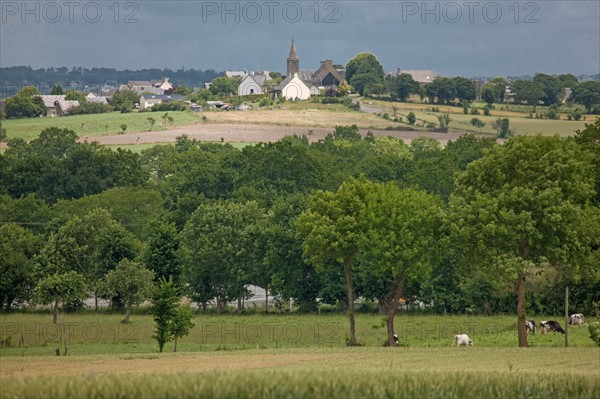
x: 470, y: 227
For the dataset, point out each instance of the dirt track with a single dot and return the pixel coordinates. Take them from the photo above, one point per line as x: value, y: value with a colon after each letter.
x: 249, y: 133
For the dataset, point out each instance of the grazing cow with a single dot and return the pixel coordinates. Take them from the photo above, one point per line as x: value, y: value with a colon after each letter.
x: 530, y: 326
x: 551, y: 325
x: 396, y: 338
x: 462, y: 339
x: 577, y: 319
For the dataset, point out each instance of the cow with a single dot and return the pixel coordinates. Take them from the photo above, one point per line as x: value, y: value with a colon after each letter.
x: 551, y: 325
x: 530, y: 326
x: 577, y: 319
x: 396, y: 338
x: 462, y: 339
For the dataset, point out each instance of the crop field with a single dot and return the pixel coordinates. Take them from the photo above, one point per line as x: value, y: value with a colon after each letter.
x: 518, y: 120
x: 97, y: 124
x: 257, y: 355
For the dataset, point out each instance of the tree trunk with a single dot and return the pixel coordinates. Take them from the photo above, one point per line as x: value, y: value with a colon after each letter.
x: 391, y: 308
x: 266, y: 299
x: 348, y: 275
x: 55, y: 312
x: 522, y: 330
x: 96, y: 302
x: 127, y: 313
x: 239, y: 306
x: 175, y: 344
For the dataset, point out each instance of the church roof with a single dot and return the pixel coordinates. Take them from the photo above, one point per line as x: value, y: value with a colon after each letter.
x: 293, y: 52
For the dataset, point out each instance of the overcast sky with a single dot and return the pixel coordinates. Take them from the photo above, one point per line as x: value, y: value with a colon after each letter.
x: 454, y: 38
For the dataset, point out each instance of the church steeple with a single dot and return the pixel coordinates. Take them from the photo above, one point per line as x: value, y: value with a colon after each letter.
x: 293, y: 61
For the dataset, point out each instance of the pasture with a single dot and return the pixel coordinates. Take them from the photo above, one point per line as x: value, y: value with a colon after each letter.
x: 296, y: 356
x: 518, y: 120
x: 97, y: 124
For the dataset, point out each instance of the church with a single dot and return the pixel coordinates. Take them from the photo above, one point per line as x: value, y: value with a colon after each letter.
x: 300, y: 84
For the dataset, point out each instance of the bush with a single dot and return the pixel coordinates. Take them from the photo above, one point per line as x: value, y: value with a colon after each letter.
x: 595, y: 332
x: 411, y: 118
x: 90, y: 108
x: 486, y: 111
x: 265, y: 102
x: 170, y: 106
x: 474, y: 111
x: 552, y: 112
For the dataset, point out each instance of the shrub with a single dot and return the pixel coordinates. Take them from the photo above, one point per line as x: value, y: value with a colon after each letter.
x: 486, y: 111
x: 265, y: 102
x: 411, y: 118
x: 595, y: 332
x: 474, y: 111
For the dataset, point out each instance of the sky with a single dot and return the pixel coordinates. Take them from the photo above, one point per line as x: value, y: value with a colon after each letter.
x: 467, y: 38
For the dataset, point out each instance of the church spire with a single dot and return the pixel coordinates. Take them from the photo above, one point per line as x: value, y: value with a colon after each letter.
x: 293, y: 52
x: 293, y: 61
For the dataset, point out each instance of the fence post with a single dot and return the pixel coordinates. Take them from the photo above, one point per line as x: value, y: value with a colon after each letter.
x: 567, y: 317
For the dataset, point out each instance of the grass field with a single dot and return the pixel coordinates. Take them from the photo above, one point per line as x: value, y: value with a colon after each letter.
x: 292, y: 356
x: 518, y: 120
x: 312, y: 372
x: 97, y: 124
x: 138, y: 148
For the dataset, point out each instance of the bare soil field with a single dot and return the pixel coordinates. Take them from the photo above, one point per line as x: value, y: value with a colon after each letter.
x: 237, y: 132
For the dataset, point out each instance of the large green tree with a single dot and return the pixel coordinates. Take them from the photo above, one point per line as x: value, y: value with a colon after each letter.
x: 364, y: 71
x: 218, y: 250
x: 18, y: 247
x: 331, y: 231
x: 524, y: 205
x: 130, y: 282
x: 59, y: 289
x: 402, y: 86
x: 91, y: 245
x: 159, y: 252
x: 587, y: 93
x: 401, y: 229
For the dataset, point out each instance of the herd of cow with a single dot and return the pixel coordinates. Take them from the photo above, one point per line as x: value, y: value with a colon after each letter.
x: 577, y: 319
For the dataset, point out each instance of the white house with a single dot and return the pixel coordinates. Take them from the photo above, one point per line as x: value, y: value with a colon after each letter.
x: 252, y: 84
x: 292, y: 88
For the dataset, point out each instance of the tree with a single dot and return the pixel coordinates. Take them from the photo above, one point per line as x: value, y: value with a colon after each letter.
x: 331, y: 232
x: 224, y: 86
x: 399, y: 241
x: 130, y: 282
x: 123, y: 127
x: 551, y: 87
x: 182, y: 90
x: 402, y: 86
x: 587, y: 94
x: 159, y: 253
x: 57, y: 90
x: 529, y: 92
x: 92, y: 245
x: 444, y: 120
x: 589, y: 140
x: 124, y: 100
x: 411, y: 118
x: 74, y: 95
x: 218, y: 251
x: 343, y: 89
x: 363, y: 71
x: 522, y: 206
x: 18, y: 247
x: 181, y: 324
x: 466, y: 89
x: 502, y: 127
x: 476, y: 122
x: 25, y: 106
x: 60, y: 288
x: 442, y: 90
x: 165, y: 302
x: 151, y: 121
x: 3, y: 135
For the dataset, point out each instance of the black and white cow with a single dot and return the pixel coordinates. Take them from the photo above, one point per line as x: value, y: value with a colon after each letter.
x: 551, y: 325
x: 577, y: 319
x: 530, y: 326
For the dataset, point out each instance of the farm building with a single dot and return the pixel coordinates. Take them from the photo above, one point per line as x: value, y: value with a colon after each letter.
x: 148, y: 100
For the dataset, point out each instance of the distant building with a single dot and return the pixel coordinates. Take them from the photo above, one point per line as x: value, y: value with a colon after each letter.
x: 144, y: 86
x: 149, y: 100
x: 92, y: 98
x: 235, y: 74
x: 253, y: 84
x: 418, y: 75
x: 292, y: 88
x: 57, y: 105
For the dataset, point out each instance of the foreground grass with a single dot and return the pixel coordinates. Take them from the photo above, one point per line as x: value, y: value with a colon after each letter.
x: 97, y: 124
x: 312, y: 372
x: 92, y: 333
